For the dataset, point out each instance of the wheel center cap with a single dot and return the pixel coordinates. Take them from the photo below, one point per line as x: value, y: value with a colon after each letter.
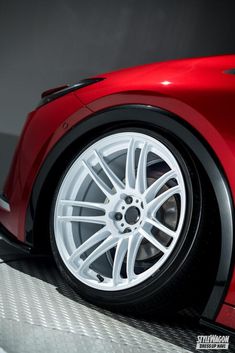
x: 132, y: 215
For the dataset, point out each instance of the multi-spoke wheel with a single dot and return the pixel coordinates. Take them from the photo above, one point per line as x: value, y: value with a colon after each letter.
x: 121, y: 218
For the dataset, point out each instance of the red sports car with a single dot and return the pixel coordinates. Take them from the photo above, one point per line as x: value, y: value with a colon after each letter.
x: 129, y: 178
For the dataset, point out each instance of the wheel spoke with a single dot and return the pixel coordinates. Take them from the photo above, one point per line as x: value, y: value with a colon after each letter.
x: 85, y: 219
x: 155, y: 204
x: 153, y: 240
x: 107, y: 244
x: 118, y: 259
x: 84, y: 204
x: 117, y: 183
x: 158, y: 184
x: 161, y: 227
x: 89, y: 243
x: 99, y: 182
x: 133, y: 247
x: 141, y: 178
x: 130, y: 165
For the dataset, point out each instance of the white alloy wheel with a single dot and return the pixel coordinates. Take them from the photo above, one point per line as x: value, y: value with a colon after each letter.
x: 119, y: 211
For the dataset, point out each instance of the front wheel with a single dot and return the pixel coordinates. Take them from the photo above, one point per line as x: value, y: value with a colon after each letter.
x: 126, y: 222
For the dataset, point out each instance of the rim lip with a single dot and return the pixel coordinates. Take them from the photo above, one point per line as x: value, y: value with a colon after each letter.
x: 150, y: 271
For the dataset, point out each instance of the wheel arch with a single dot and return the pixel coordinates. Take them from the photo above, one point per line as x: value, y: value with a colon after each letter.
x: 79, y: 134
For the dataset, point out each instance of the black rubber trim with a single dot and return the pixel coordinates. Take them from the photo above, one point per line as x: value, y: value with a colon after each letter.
x: 230, y: 71
x: 157, y: 118
x: 10, y: 239
x: 217, y: 327
x: 68, y: 89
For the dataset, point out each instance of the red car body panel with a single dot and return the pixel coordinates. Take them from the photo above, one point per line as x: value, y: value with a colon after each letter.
x: 199, y: 91
x: 230, y: 297
x: 41, y: 127
x: 226, y: 316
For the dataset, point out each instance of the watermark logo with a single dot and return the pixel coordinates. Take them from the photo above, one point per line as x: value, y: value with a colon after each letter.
x: 212, y: 342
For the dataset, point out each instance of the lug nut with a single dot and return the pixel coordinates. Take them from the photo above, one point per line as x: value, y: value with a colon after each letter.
x: 127, y: 230
x: 118, y: 216
x: 128, y: 200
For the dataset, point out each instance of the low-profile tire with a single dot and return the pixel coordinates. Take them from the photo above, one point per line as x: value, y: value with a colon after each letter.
x: 127, y: 222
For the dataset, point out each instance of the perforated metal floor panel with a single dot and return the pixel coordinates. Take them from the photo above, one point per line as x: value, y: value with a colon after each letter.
x: 39, y: 312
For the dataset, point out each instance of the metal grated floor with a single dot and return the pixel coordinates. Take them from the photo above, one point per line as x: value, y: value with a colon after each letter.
x: 39, y: 312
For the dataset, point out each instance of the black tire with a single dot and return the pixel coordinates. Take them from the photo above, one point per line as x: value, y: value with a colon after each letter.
x: 183, y: 277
